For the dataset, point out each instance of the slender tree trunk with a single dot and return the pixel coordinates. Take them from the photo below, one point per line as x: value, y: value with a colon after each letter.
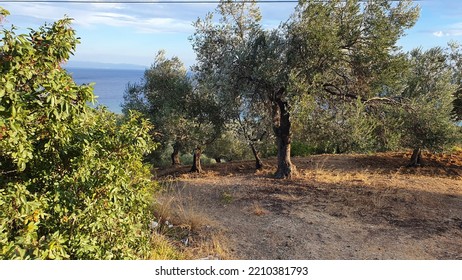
x: 197, y: 160
x: 256, y: 154
x: 176, y: 155
x: 281, y: 127
x: 416, y: 158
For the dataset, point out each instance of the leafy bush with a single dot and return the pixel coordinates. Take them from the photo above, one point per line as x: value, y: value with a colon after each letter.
x: 72, y: 184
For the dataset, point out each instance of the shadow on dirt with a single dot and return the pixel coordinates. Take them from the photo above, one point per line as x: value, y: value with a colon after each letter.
x: 339, y: 207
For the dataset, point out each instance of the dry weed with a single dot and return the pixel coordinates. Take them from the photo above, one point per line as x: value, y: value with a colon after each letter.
x: 174, y: 208
x: 258, y: 210
x: 183, y: 226
x: 381, y: 199
x: 334, y: 177
x: 209, y: 245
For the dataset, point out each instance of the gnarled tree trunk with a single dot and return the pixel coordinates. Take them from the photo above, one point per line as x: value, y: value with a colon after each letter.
x: 416, y: 158
x: 176, y: 154
x: 197, y: 160
x: 281, y: 127
x: 286, y: 169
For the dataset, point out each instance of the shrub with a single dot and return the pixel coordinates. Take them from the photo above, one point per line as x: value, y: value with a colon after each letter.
x: 72, y: 184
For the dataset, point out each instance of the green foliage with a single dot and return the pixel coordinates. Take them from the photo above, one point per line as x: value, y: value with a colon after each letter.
x: 228, y: 147
x: 339, y: 53
x: 455, y: 65
x: 72, y: 184
x: 330, y: 127
x: 185, y: 115
x: 301, y: 149
x: 347, y: 48
x: 38, y: 98
x: 92, y: 203
x: 428, y: 119
x: 162, y: 96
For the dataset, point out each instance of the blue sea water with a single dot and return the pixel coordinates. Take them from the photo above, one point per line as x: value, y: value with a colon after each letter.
x: 110, y: 84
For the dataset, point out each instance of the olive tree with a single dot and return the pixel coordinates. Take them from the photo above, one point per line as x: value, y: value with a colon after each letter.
x: 344, y: 50
x: 428, y: 103
x: 183, y: 111
x: 163, y: 96
x: 221, y: 44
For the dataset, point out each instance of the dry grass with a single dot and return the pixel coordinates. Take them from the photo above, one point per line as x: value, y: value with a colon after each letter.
x: 210, y: 246
x: 257, y: 209
x: 163, y: 249
x: 334, y: 177
x: 185, y: 227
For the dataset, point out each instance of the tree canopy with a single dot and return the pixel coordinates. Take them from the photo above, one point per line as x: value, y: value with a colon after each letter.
x: 163, y: 96
x: 183, y: 110
x: 336, y: 51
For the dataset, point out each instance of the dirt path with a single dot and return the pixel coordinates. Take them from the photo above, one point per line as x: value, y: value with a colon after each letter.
x: 339, y: 207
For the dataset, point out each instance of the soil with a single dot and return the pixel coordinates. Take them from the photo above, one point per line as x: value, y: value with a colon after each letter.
x: 337, y: 207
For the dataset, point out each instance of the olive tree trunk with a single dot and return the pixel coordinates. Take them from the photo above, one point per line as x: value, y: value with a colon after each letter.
x: 281, y: 127
x: 251, y: 142
x: 196, y: 167
x: 176, y: 155
x: 416, y: 158
x: 256, y: 154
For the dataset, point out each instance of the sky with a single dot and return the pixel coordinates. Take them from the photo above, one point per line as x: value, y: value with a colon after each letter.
x: 133, y: 33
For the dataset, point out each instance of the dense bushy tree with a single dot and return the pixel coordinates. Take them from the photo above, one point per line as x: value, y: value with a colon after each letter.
x: 163, y: 97
x: 428, y: 102
x: 184, y: 112
x: 72, y: 181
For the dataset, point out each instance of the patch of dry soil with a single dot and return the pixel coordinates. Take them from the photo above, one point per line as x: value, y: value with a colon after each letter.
x: 338, y: 207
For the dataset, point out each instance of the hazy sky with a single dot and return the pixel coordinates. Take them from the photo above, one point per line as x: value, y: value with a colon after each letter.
x: 133, y: 33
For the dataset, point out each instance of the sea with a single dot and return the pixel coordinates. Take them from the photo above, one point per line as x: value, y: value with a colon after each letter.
x: 110, y: 84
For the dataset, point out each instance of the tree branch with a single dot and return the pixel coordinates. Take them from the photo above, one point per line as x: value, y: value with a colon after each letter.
x: 338, y: 92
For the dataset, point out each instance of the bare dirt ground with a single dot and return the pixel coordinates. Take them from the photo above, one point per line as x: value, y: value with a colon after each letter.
x: 338, y: 207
